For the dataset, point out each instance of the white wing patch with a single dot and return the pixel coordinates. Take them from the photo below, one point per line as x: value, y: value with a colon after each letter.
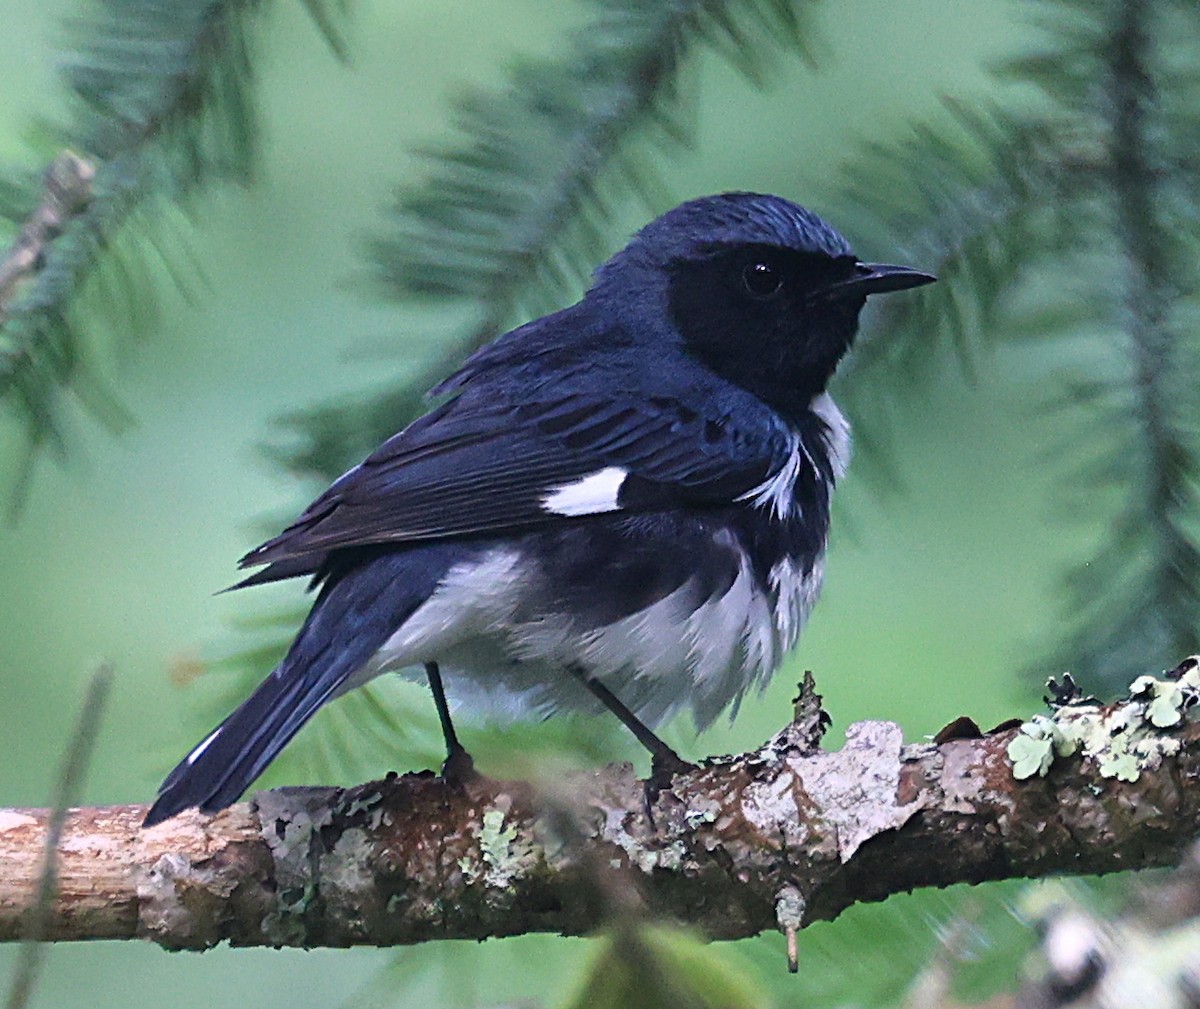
x: 594, y: 493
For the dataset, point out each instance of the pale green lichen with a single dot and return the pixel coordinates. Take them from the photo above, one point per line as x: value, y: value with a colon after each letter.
x: 1030, y: 754
x: 646, y: 857
x: 670, y: 856
x: 504, y: 855
x: 701, y: 812
x: 1165, y: 698
x: 790, y: 907
x: 292, y: 819
x: 362, y: 804
x: 495, y: 846
x: 347, y: 867
x: 1123, y: 740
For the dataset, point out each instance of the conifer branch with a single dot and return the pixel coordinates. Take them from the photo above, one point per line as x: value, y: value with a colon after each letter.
x: 1161, y: 490
x: 1088, y: 195
x: 163, y: 106
x: 969, y: 199
x: 66, y: 192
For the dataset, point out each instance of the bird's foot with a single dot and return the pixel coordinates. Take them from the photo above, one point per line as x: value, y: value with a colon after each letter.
x: 665, y: 766
x: 458, y: 769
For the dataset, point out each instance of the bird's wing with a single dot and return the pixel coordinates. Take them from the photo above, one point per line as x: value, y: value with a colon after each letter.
x: 471, y: 468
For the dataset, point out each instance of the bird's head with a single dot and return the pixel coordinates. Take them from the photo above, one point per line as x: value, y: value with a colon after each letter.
x: 760, y: 290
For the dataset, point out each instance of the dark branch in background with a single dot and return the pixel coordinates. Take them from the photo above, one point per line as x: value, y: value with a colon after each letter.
x: 515, y: 214
x: 1153, y: 555
x: 70, y: 783
x: 773, y: 839
x: 1094, y: 195
x: 66, y: 193
x: 162, y: 106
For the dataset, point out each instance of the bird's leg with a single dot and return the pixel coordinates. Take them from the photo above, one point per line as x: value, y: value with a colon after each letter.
x: 665, y: 763
x: 458, y: 767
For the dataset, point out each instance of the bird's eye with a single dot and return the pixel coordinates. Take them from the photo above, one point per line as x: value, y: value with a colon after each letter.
x: 761, y: 279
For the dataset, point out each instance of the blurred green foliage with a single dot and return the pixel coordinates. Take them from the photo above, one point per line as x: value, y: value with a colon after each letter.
x: 935, y: 597
x: 664, y: 968
x: 160, y: 102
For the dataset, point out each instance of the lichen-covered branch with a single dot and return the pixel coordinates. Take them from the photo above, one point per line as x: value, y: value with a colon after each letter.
x: 774, y: 838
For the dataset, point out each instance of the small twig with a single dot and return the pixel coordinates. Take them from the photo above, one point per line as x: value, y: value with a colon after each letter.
x: 790, y: 906
x: 70, y: 780
x: 66, y: 191
x: 809, y: 718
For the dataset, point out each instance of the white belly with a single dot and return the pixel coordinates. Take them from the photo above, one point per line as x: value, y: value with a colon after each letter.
x: 498, y: 653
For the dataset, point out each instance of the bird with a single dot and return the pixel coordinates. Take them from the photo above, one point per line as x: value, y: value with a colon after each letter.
x: 621, y: 505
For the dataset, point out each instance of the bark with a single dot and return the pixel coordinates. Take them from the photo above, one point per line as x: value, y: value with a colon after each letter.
x: 774, y: 838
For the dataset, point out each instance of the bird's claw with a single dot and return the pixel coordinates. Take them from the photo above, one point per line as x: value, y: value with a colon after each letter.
x: 665, y: 766
x: 458, y: 769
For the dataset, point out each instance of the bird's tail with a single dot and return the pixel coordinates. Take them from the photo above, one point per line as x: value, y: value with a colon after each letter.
x: 230, y: 757
x: 354, y: 615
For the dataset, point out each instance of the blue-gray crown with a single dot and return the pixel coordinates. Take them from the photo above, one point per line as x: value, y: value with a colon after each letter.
x: 735, y: 218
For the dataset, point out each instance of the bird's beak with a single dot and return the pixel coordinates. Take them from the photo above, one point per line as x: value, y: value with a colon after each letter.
x: 878, y: 278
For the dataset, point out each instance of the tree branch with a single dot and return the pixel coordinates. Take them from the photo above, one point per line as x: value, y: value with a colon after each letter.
x: 66, y: 192
x: 774, y: 838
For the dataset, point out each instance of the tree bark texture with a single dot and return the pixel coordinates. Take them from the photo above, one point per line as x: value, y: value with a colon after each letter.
x: 773, y: 838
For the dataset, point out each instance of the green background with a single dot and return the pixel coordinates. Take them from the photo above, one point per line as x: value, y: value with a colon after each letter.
x: 936, y: 597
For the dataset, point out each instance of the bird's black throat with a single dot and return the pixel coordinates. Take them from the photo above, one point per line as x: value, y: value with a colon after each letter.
x: 782, y: 347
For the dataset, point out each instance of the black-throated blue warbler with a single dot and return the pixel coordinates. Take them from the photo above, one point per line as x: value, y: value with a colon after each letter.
x: 624, y: 503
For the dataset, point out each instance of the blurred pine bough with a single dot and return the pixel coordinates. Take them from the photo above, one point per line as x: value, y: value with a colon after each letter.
x: 1068, y: 213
